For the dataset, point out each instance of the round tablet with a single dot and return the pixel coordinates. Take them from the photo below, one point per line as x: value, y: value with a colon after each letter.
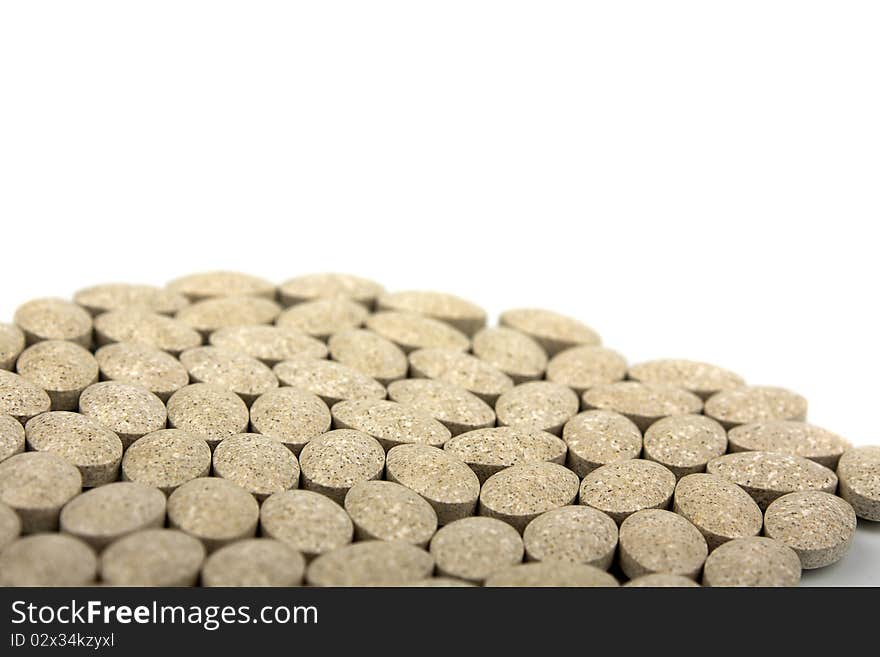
x: 254, y: 562
x: 369, y: 353
x: 582, y: 368
x: 245, y: 376
x: 333, y: 382
x: 214, y: 314
x: 371, y: 563
x: 329, y: 286
x: 37, y: 485
x: 818, y: 526
x: 472, y: 549
x: 99, y: 299
x: 755, y: 404
x: 337, y: 460
x: 488, y: 451
x: 553, y: 331
x: 787, y: 437
x: 685, y: 443
x: 557, y: 574
x: 621, y: 489
x: 754, y: 561
x: 459, y: 313
x: 62, y: 369
x: 767, y: 475
x: 514, y: 353
x: 270, y: 344
x: 153, y: 557
x: 642, y: 403
x: 291, y: 416
x: 720, y: 509
x: 577, y: 534
x: 47, y: 560
x: 10, y: 525
x: 259, y: 464
x: 389, y: 422
x: 662, y: 580
x: 12, y: 343
x: 214, y: 510
x: 702, y: 379
x: 597, y: 438
x: 207, y: 412
x: 859, y: 473
x: 206, y: 285
x: 308, y: 522
x: 166, y: 459
x: 142, y: 365
x: 657, y: 541
x: 411, y: 331
x: 144, y: 327
x: 54, y: 319
x: 11, y: 437
x: 323, y: 317
x: 446, y: 482
x: 541, y: 405
x: 104, y: 514
x: 129, y: 411
x: 452, y: 405
x: 474, y: 375
x: 93, y: 449
x: 387, y: 511
x: 521, y: 493
x: 20, y: 398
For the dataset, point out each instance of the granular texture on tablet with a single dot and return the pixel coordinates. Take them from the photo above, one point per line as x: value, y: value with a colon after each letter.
x: 463, y: 315
x: 461, y: 369
x: 789, y: 437
x: 521, y: 493
x: 259, y: 464
x: 54, y: 319
x: 661, y: 580
x: 104, y: 514
x: 323, y: 317
x: 127, y: 410
x: 329, y: 286
x: 20, y: 398
x: 552, y: 574
x: 211, y: 284
x: 541, y: 405
x: 455, y: 407
x: 332, y: 382
x: 99, y: 299
x: 219, y: 313
x: 270, y: 344
x: 621, y: 489
x: 816, y: 525
x: 291, y: 416
x: 702, y: 379
x: 308, y: 522
x: 214, y: 510
x: 144, y: 327
x: 597, y: 438
x: 684, y: 443
x: 859, y: 473
x: 12, y: 343
x: 371, y: 563
x: 768, y: 475
x: 245, y: 376
x: 370, y: 353
x: 472, y: 549
x: 754, y: 561
x: 47, y: 560
x: 658, y: 541
x: 720, y: 509
x: 153, y: 557
x: 254, y: 562
x: 553, y: 331
x: 488, y: 451
x: 10, y: 525
x: 642, y: 403
x: 446, y: 482
x: 11, y: 437
x: 389, y: 422
x: 167, y: 459
x: 577, y: 534
x: 755, y: 404
x: 37, y: 485
x: 387, y: 511
x: 581, y: 368
x: 514, y: 353
x: 410, y: 331
x: 62, y: 369
x: 440, y: 582
x: 92, y: 448
x: 334, y: 462
x: 207, y: 412
x: 142, y: 365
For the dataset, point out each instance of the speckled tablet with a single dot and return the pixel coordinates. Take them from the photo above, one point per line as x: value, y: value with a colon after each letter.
x: 455, y: 407
x: 596, y: 438
x: 488, y: 451
x: 520, y: 493
x: 642, y: 403
x: 755, y: 404
x: 329, y: 286
x: 389, y: 422
x: 291, y: 416
x: 789, y: 437
x: 207, y: 412
x: 472, y: 549
x: 621, y: 489
x: 464, y: 315
x: 553, y: 331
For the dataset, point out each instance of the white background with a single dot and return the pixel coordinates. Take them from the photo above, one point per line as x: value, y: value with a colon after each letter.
x: 692, y: 179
